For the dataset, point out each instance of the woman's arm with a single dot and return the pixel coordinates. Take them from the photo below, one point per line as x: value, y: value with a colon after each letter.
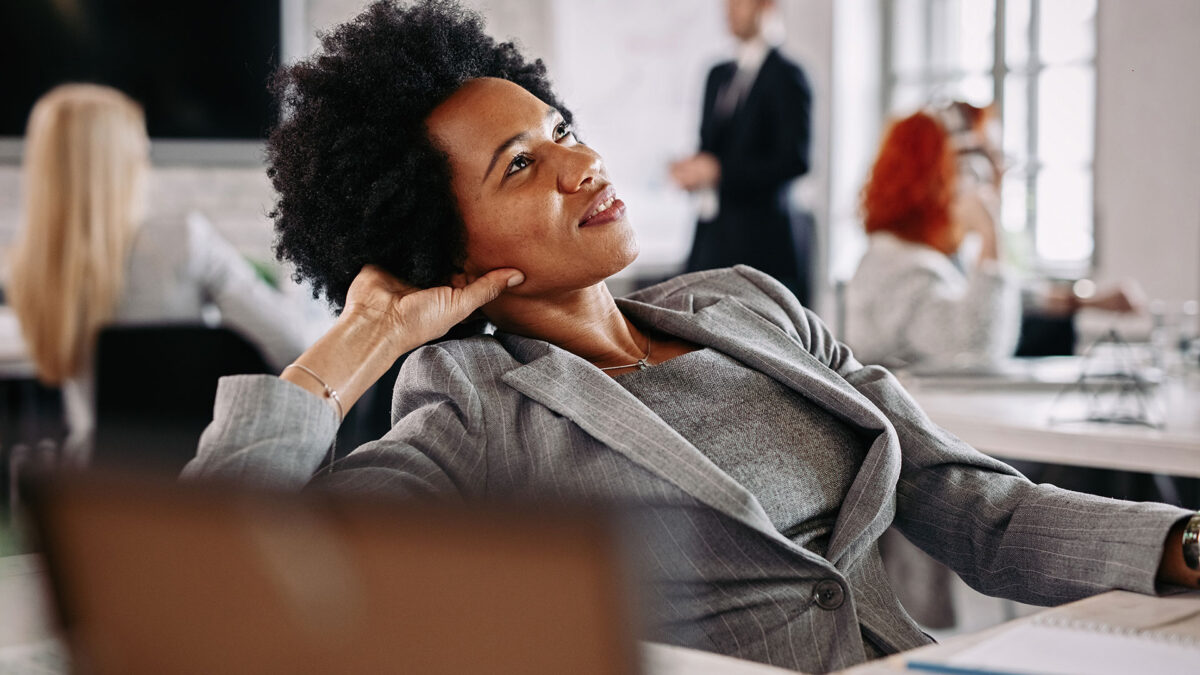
x: 385, y: 318
x: 276, y: 431
x: 247, y: 303
x: 1004, y: 535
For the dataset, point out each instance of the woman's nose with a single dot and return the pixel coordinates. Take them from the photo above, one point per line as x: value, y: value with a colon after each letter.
x: 580, y: 166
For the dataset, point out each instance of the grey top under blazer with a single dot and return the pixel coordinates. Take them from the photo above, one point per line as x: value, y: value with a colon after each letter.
x: 508, y: 415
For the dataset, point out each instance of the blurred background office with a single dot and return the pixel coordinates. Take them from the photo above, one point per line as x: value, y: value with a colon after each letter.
x: 1094, y: 104
x: 1094, y: 101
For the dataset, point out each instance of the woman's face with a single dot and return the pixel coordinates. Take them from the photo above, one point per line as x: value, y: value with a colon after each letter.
x: 532, y: 196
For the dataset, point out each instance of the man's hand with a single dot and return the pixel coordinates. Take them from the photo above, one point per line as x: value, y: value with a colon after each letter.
x: 699, y: 171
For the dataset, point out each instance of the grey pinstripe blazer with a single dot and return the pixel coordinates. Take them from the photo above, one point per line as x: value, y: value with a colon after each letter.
x: 512, y: 416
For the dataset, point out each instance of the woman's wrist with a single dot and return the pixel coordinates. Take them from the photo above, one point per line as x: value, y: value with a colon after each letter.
x: 349, y: 358
x: 1172, y: 568
x: 374, y: 337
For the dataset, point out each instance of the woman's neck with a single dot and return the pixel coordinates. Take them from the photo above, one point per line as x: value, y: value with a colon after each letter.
x: 585, y: 322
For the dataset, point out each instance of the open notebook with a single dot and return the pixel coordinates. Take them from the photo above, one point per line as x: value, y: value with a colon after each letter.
x: 1118, y: 633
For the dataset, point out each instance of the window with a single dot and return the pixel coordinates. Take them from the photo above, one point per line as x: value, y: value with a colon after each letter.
x: 1036, y: 60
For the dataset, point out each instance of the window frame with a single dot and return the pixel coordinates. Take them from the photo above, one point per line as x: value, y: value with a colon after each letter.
x: 930, y: 76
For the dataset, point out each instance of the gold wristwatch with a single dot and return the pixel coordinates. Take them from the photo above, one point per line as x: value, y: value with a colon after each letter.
x: 1191, y: 542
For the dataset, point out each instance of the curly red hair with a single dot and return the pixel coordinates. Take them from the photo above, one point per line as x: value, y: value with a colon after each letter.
x: 912, y: 184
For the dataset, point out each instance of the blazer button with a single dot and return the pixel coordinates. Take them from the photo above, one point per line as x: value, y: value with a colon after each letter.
x: 829, y: 594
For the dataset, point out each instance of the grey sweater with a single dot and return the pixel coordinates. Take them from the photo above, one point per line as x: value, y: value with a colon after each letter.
x: 796, y: 458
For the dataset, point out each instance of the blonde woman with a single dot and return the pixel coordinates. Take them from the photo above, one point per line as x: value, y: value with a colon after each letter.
x: 86, y: 256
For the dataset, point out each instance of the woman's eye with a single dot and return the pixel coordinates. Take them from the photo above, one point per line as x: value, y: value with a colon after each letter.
x: 519, y: 162
x: 562, y: 130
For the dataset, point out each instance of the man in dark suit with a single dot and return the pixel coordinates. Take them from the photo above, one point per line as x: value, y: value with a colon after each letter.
x: 754, y: 141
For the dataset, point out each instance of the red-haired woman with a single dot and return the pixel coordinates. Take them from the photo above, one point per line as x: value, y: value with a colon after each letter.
x: 909, y: 300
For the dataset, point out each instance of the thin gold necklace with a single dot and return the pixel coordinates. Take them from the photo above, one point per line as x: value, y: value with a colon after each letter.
x: 642, y: 363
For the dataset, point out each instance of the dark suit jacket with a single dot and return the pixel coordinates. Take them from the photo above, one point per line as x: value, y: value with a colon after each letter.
x: 762, y: 147
x: 505, y: 415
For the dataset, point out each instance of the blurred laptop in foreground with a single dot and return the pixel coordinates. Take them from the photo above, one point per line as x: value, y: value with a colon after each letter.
x: 159, y: 577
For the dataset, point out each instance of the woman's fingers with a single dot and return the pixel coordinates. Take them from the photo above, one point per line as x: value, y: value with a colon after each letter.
x: 422, y: 314
x: 487, y: 288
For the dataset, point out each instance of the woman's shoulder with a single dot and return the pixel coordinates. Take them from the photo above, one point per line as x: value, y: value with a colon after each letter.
x: 740, y: 281
x: 754, y: 290
x: 161, y: 235
x: 472, y: 357
x: 173, y: 238
x: 890, y: 259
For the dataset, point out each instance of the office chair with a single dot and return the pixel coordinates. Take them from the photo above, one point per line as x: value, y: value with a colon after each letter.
x: 155, y: 387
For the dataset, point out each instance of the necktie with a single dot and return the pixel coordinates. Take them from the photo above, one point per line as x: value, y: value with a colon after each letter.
x: 731, y: 94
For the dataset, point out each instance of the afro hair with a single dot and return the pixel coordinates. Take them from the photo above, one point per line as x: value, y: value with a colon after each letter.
x: 358, y: 179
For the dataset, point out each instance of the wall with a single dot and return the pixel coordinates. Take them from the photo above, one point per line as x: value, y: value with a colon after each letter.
x: 810, y: 26
x: 854, y: 130
x: 1148, y: 145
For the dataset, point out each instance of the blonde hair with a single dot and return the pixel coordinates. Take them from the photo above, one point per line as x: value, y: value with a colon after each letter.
x: 86, y: 159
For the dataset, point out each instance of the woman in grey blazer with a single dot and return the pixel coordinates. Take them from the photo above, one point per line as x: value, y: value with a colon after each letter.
x: 716, y: 393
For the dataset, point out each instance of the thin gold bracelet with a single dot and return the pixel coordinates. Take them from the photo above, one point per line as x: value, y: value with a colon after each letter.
x: 330, y: 392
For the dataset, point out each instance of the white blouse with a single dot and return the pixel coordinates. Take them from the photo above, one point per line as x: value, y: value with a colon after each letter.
x: 907, y: 302
x: 177, y: 268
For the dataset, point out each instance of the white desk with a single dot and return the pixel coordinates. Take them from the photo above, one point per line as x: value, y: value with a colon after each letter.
x: 1115, y: 610
x: 1012, y: 422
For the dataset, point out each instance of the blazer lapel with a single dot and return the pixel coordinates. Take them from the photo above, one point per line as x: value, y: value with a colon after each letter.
x: 733, y: 328
x: 575, y: 389
x: 754, y: 90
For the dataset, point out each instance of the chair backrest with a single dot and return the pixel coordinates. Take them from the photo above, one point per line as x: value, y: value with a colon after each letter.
x: 155, y: 387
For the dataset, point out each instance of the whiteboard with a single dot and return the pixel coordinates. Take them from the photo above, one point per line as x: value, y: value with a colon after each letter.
x: 633, y: 73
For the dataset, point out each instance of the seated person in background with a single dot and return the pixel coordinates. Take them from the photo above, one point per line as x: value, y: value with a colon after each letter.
x: 422, y: 180
x: 908, y: 301
x: 931, y: 210
x: 86, y: 256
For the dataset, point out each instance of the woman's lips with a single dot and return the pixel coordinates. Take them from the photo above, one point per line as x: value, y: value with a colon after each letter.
x: 615, y: 211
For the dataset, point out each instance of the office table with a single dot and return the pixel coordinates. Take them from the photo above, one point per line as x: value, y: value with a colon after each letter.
x: 25, y: 622
x: 1034, y: 422
x: 1171, y: 619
